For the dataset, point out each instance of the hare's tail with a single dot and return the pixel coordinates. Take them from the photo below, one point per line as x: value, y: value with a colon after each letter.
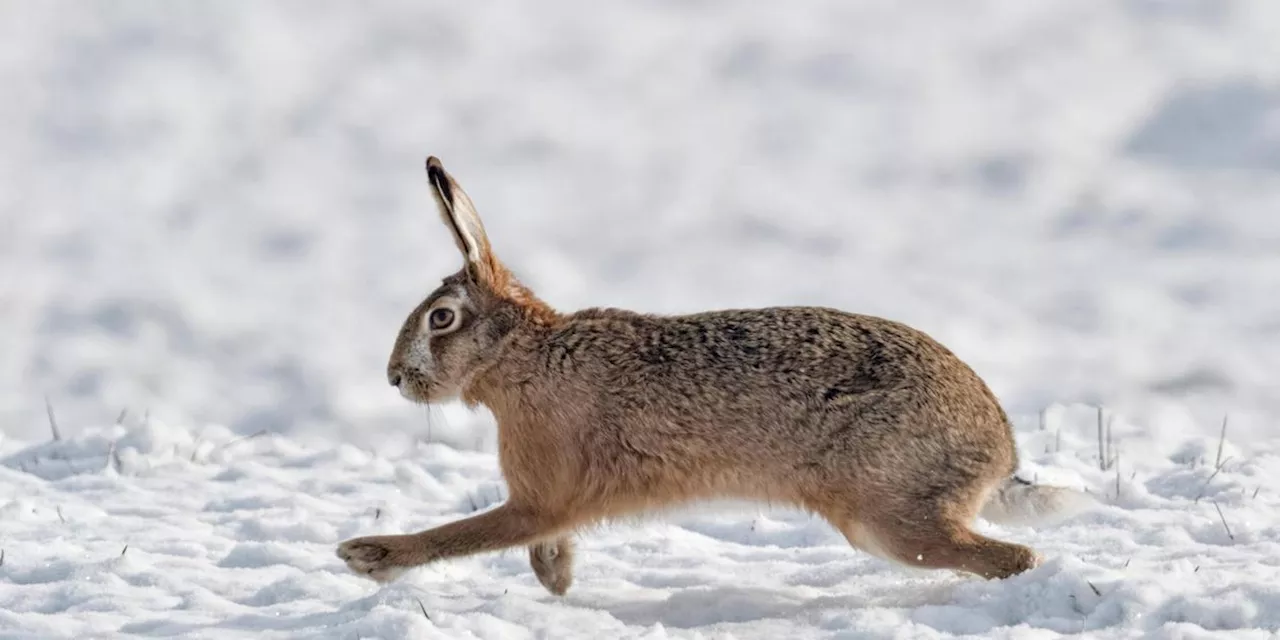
x: 1016, y: 501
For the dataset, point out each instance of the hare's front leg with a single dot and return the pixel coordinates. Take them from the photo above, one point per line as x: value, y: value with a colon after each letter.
x: 383, y: 558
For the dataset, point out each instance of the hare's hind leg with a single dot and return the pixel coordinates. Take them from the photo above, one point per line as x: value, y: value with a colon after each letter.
x: 930, y: 533
x: 552, y: 562
x: 934, y: 533
x: 943, y: 545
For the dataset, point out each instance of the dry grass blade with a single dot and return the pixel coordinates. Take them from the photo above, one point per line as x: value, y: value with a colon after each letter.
x: 1096, y: 592
x: 1230, y: 535
x: 1112, y: 456
x: 124, y: 550
x: 237, y: 441
x: 59, y: 510
x: 113, y: 457
x: 1102, y: 453
x: 1213, y: 475
x: 1222, y: 438
x: 53, y: 421
x: 423, y: 608
x: 123, y: 414
x: 1117, y: 477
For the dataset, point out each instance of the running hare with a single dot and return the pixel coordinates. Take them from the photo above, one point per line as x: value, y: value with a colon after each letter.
x: 605, y: 413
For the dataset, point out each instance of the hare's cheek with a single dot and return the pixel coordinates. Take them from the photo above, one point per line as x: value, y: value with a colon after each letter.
x: 420, y: 357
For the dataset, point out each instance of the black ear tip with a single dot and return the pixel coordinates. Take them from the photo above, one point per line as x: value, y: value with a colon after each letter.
x: 438, y: 178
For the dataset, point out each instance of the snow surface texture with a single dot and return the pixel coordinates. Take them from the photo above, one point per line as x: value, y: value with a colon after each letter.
x: 215, y: 214
x: 153, y: 531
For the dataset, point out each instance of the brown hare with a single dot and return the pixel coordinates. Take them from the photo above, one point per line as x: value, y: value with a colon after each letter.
x: 604, y: 413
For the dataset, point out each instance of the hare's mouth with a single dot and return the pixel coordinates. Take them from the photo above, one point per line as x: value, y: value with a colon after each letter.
x: 406, y: 392
x: 415, y: 388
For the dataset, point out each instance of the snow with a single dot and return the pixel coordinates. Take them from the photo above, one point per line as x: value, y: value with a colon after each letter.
x: 214, y: 215
x: 144, y: 529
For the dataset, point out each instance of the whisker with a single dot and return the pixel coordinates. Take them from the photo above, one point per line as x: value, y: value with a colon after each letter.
x: 436, y: 416
x: 430, y: 416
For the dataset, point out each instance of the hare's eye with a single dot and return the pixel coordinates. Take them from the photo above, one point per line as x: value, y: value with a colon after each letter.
x: 440, y: 319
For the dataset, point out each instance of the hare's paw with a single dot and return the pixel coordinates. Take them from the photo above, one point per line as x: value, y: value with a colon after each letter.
x: 380, y: 558
x: 552, y: 563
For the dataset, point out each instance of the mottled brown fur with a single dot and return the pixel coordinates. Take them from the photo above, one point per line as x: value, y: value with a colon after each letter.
x: 605, y: 413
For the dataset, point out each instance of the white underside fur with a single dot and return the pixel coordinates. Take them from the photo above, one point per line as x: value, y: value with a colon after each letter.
x: 1019, y: 503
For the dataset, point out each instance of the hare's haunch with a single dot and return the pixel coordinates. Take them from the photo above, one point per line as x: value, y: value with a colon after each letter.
x: 605, y: 413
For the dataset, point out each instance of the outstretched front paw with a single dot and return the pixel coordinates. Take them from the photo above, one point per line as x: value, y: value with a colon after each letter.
x: 377, y: 557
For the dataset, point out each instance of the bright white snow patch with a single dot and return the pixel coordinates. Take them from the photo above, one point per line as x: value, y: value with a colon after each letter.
x: 231, y: 537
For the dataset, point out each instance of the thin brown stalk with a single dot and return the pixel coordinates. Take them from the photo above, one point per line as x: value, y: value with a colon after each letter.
x: 1112, y: 456
x: 1224, y: 521
x: 1222, y: 438
x: 1117, y: 477
x: 1205, y: 486
x: 53, y: 421
x: 1102, y: 454
x: 237, y: 441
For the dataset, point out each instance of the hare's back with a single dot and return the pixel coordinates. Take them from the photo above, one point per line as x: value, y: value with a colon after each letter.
x: 792, y: 385
x: 785, y: 352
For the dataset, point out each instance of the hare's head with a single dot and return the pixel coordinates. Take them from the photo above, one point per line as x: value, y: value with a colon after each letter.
x: 459, y: 330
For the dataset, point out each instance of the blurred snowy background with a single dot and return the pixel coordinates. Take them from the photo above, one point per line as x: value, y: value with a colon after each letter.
x: 216, y: 211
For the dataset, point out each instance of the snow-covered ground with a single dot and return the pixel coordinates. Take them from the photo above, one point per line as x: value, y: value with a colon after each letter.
x: 146, y: 530
x: 213, y: 215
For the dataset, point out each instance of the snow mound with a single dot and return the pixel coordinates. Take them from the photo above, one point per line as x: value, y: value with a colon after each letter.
x: 153, y: 530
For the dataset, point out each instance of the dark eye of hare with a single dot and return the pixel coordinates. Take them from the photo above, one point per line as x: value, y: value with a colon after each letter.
x: 440, y: 318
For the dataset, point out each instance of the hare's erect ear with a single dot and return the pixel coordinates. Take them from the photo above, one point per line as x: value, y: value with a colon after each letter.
x: 482, y: 266
x: 460, y: 216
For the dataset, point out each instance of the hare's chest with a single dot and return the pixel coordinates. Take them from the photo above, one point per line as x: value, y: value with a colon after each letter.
x: 536, y: 463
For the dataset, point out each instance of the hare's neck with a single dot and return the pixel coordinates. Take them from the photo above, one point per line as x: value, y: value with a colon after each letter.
x: 502, y: 397
x: 492, y: 385
x: 481, y: 389
x: 510, y: 383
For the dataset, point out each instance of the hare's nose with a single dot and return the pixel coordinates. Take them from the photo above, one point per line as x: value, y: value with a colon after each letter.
x: 394, y: 377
